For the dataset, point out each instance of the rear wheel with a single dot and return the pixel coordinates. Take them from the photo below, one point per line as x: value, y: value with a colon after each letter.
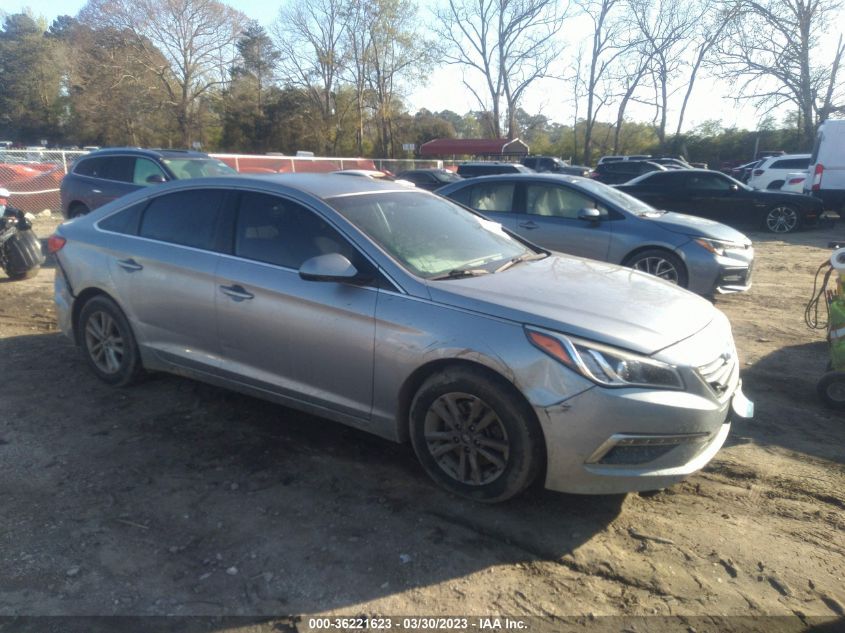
x: 77, y: 209
x: 775, y: 184
x: 108, y: 343
x: 660, y: 263
x: 783, y: 218
x: 831, y: 389
x: 474, y: 436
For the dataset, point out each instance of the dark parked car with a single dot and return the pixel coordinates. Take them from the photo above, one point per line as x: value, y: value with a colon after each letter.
x: 586, y: 218
x: 554, y: 165
x: 623, y: 170
x: 713, y: 195
x: 103, y: 175
x: 429, y: 179
x: 471, y: 170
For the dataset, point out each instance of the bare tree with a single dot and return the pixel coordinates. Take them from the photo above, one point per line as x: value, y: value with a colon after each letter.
x: 510, y: 43
x: 665, y: 27
x: 774, y: 46
x: 395, y: 53
x: 311, y: 36
x: 606, y: 47
x: 196, y: 38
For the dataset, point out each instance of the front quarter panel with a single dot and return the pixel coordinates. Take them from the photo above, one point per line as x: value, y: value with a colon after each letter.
x: 413, y: 334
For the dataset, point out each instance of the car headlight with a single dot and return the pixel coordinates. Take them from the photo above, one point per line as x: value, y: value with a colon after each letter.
x: 604, y: 365
x: 717, y: 247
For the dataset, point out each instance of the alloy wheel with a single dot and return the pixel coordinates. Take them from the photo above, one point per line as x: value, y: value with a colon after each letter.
x: 659, y: 267
x: 466, y: 438
x: 782, y: 220
x: 104, y: 342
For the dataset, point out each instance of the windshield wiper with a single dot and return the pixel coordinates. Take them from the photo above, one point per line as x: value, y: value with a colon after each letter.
x: 518, y: 260
x: 457, y: 273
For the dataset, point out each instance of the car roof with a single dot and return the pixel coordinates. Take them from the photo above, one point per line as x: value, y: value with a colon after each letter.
x: 543, y: 176
x: 320, y: 185
x: 152, y: 152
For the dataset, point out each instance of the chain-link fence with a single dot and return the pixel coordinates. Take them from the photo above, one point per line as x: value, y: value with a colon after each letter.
x: 33, y: 175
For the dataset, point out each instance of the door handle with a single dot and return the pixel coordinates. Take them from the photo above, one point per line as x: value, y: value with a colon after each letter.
x: 96, y: 191
x: 528, y: 225
x: 236, y: 292
x: 129, y: 265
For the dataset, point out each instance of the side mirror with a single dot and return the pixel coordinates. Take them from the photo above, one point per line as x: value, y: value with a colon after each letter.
x: 330, y: 267
x: 156, y: 179
x: 589, y: 214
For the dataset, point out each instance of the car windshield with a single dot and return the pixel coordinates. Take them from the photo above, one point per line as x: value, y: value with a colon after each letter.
x: 429, y: 236
x: 620, y: 198
x: 186, y: 168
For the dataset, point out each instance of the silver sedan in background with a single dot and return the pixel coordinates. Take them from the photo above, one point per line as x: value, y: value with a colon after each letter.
x: 400, y: 313
x: 583, y: 217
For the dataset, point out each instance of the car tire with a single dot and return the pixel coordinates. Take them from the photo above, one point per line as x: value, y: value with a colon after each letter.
x: 775, y: 184
x: 782, y: 218
x: 474, y: 435
x: 108, y: 343
x: 660, y: 263
x: 77, y: 209
x: 831, y: 390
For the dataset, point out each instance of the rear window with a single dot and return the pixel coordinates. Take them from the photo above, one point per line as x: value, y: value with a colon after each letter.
x: 183, y: 217
x: 791, y: 163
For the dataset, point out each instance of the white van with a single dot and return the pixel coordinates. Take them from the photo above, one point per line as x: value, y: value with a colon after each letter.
x: 826, y: 177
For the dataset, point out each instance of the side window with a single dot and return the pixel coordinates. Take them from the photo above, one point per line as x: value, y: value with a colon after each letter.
x: 493, y: 196
x: 93, y: 167
x: 792, y: 163
x: 125, y: 221
x: 144, y: 168
x: 709, y: 182
x: 557, y: 202
x: 277, y: 231
x: 183, y: 217
x: 461, y: 195
x: 120, y: 168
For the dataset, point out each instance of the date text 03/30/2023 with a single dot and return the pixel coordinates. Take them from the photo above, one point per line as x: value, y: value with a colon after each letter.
x: 491, y: 623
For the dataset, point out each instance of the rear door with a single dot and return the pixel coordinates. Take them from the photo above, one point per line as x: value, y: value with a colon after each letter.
x: 495, y: 199
x: 166, y: 275
x: 308, y: 340
x: 550, y: 219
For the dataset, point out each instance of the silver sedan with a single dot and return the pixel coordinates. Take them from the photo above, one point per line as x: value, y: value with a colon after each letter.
x: 398, y: 312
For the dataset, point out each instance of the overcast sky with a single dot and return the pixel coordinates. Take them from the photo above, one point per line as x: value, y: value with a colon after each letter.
x: 444, y: 90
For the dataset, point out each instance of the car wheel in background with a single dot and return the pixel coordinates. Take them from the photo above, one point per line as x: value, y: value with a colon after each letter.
x: 474, y: 436
x: 782, y: 218
x: 831, y: 389
x: 77, y: 209
x: 108, y: 343
x: 775, y: 184
x: 660, y: 263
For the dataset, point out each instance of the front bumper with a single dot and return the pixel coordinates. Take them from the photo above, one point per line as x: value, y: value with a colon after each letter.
x: 709, y: 273
x: 607, y: 441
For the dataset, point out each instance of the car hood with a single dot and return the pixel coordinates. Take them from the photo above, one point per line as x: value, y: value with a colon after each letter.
x: 696, y: 227
x: 586, y: 298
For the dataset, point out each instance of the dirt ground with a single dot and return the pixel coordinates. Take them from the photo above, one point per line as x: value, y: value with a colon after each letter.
x: 176, y: 498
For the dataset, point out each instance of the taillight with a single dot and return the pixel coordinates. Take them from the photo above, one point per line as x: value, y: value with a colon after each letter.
x: 758, y: 172
x: 4, y: 202
x: 796, y: 181
x: 593, y: 174
x: 55, y: 243
x: 817, y: 177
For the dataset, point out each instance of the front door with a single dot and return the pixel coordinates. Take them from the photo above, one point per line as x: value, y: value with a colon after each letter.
x: 551, y: 220
x: 308, y: 340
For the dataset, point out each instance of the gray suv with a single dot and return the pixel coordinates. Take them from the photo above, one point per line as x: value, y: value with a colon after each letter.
x: 104, y: 175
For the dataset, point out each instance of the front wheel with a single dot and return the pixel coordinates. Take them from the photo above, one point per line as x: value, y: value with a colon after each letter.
x: 782, y: 218
x: 108, y: 343
x: 474, y: 436
x: 660, y: 263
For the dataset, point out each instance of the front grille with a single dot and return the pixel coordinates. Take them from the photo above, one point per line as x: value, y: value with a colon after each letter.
x: 717, y: 373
